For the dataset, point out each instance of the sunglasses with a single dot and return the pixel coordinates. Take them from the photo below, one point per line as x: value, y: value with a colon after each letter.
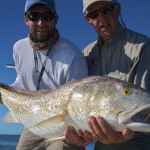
x: 35, y: 16
x: 106, y: 11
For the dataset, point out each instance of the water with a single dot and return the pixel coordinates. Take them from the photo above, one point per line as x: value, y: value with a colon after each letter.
x: 9, y: 142
x: 90, y: 146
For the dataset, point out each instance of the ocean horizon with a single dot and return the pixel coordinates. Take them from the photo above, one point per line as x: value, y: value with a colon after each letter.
x: 9, y: 142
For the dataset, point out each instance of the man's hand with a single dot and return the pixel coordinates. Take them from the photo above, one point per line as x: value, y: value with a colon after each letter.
x: 103, y: 133
x: 100, y: 131
x: 77, y: 138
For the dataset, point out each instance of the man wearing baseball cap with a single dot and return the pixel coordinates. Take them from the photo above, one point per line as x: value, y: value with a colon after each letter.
x: 120, y: 53
x: 45, y: 60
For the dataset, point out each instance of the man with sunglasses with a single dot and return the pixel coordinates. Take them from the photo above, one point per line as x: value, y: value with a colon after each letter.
x: 44, y: 60
x: 120, y: 53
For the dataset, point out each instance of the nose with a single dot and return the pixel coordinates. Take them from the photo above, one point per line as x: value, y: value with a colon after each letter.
x: 102, y: 17
x: 41, y: 21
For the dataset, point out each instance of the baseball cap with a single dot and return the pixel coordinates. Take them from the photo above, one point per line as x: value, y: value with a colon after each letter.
x: 49, y: 3
x: 87, y: 3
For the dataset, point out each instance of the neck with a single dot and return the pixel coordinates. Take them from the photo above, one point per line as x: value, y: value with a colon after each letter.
x: 45, y: 45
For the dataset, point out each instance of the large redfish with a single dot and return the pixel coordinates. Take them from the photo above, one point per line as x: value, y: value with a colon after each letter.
x: 49, y: 113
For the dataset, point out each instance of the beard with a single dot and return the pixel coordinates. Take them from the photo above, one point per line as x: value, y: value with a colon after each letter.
x: 41, y: 38
x: 47, y: 43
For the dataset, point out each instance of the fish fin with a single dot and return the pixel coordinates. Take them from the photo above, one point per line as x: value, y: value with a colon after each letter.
x: 9, y: 118
x: 52, y: 121
x: 56, y: 139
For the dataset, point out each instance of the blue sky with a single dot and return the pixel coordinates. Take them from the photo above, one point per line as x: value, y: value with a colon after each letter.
x: 72, y: 25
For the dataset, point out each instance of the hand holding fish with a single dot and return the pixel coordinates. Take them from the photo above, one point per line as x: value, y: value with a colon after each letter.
x: 103, y: 133
x: 100, y: 131
x: 79, y: 138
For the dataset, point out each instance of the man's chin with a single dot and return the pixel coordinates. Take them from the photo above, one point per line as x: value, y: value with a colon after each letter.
x: 106, y: 37
x: 41, y: 39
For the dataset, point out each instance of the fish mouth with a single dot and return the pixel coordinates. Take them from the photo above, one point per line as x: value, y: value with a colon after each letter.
x: 143, y: 116
x: 140, y: 115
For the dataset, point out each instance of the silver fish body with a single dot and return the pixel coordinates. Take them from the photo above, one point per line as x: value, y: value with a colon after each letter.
x: 49, y: 113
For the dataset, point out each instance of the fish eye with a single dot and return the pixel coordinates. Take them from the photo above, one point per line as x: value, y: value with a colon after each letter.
x: 126, y: 92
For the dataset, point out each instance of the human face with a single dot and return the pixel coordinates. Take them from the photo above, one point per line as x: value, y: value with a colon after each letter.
x: 40, y: 29
x: 106, y: 22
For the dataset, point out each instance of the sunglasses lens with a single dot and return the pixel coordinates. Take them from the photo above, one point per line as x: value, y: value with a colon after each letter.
x: 35, y: 16
x: 107, y: 10
x: 93, y: 14
x: 48, y: 16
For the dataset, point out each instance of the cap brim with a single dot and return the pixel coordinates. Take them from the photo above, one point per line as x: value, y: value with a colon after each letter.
x: 89, y: 2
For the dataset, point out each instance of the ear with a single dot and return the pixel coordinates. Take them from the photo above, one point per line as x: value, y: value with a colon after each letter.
x: 118, y: 7
x: 88, y: 19
x: 26, y: 20
x: 56, y: 19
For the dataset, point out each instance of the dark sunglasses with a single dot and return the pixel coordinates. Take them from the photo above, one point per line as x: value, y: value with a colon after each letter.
x: 106, y: 11
x: 35, y: 16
